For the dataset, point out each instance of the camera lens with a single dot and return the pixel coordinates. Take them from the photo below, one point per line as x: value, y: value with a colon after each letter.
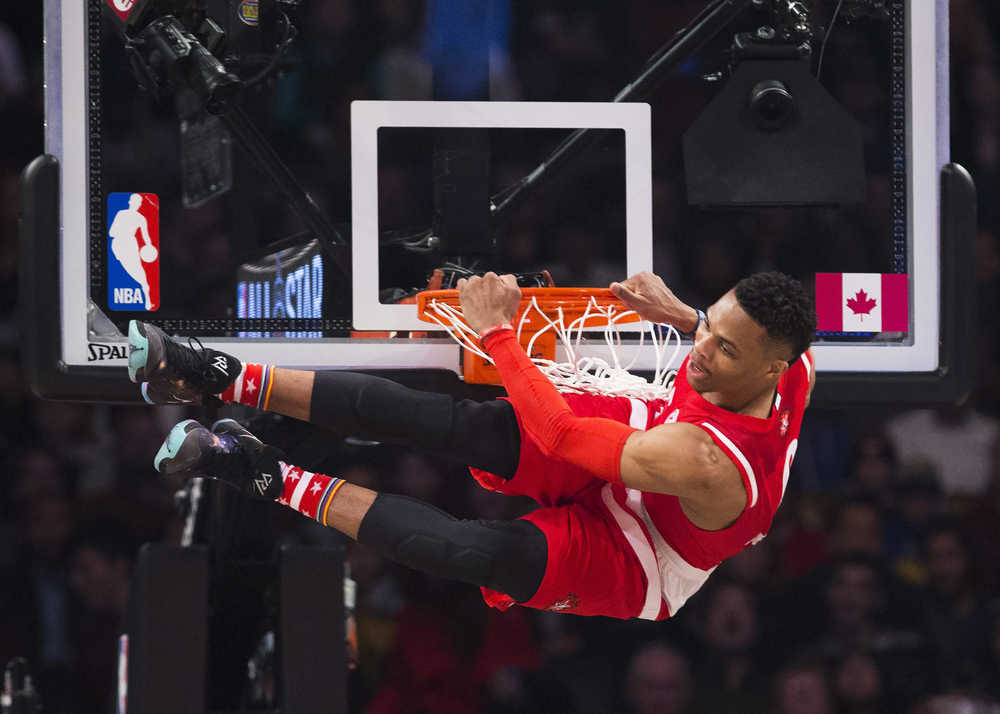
x: 771, y: 104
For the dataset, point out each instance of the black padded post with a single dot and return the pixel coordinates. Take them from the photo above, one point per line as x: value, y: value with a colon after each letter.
x: 311, y: 638
x: 39, y: 306
x: 167, y: 630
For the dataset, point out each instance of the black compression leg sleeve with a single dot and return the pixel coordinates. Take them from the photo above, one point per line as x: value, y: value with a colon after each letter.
x: 507, y: 556
x: 480, y: 434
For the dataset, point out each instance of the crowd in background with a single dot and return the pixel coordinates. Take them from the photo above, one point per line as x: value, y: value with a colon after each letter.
x: 877, y: 589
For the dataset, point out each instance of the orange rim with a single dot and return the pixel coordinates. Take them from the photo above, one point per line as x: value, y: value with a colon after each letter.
x: 572, y: 301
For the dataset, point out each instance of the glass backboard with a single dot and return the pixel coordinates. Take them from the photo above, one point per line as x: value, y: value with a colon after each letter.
x: 404, y: 155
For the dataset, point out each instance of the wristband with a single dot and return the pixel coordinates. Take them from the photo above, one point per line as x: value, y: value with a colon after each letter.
x: 690, y: 335
x: 492, y: 331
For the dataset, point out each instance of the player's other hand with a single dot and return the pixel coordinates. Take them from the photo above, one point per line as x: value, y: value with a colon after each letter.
x: 649, y: 296
x: 489, y: 300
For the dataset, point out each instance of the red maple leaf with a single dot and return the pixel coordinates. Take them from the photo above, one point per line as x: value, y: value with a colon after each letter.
x: 861, y: 304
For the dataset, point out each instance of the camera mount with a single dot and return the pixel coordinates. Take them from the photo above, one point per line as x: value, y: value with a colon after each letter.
x: 788, y: 33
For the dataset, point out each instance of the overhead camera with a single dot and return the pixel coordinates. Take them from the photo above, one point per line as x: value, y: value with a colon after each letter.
x: 178, y: 47
x: 771, y: 104
x: 774, y: 135
x: 168, y: 59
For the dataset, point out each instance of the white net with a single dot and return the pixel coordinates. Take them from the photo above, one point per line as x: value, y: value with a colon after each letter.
x: 581, y: 374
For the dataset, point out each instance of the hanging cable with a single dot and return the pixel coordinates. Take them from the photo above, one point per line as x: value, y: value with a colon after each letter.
x: 826, y: 38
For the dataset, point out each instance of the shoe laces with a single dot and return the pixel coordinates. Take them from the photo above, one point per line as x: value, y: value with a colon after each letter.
x: 194, y: 362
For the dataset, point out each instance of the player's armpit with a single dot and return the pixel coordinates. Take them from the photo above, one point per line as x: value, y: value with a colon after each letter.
x: 682, y: 460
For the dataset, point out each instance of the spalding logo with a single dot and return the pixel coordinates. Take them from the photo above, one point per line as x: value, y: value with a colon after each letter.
x: 101, y: 353
x: 124, y: 5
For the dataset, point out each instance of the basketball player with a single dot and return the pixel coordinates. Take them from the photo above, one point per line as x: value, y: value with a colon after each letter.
x: 124, y: 245
x: 639, y: 500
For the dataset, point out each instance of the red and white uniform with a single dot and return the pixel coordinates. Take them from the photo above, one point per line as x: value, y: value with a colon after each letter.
x: 625, y: 553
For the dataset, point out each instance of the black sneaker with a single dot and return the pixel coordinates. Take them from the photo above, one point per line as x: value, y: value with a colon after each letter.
x: 173, y: 373
x: 265, y: 457
x: 231, y: 454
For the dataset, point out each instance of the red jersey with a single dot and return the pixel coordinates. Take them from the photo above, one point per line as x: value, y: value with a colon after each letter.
x: 593, y: 527
x: 684, y: 555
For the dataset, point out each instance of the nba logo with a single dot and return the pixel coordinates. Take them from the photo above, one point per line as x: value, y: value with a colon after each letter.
x: 133, y: 251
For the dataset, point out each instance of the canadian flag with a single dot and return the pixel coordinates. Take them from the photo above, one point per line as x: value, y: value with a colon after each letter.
x: 862, y: 302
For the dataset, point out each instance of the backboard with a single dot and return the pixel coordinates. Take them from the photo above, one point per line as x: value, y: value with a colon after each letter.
x: 404, y: 185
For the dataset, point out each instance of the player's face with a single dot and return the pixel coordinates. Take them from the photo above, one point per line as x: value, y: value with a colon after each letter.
x: 729, y: 349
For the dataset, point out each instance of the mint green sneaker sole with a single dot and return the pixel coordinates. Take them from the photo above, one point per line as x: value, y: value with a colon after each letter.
x: 180, y: 450
x: 138, y: 350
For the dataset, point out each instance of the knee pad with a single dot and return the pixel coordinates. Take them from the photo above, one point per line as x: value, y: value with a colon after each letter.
x: 507, y: 556
x: 480, y: 434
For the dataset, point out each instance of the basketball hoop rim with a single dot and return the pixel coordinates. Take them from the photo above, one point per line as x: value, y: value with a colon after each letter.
x: 572, y: 301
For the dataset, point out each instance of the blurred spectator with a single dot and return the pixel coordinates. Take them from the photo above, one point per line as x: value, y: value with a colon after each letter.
x: 982, y: 523
x: 873, y: 471
x: 730, y: 674
x: 857, y: 528
x: 579, y: 658
x: 37, y: 616
x: 857, y: 685
x: 957, y: 440
x: 104, y: 552
x: 659, y: 681
x: 72, y: 426
x: 379, y: 602
x: 863, y: 609
x: 754, y: 567
x: 800, y: 535
x: 803, y: 688
x: 450, y: 652
x: 419, y: 477
x: 953, y: 611
x: 866, y: 607
x: 855, y: 598
x: 808, y: 539
x: 918, y: 502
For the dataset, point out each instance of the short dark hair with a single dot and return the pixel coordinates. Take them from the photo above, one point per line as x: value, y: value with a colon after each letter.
x: 781, y: 306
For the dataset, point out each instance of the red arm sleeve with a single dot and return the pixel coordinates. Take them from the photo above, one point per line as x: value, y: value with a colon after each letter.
x: 592, y: 443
